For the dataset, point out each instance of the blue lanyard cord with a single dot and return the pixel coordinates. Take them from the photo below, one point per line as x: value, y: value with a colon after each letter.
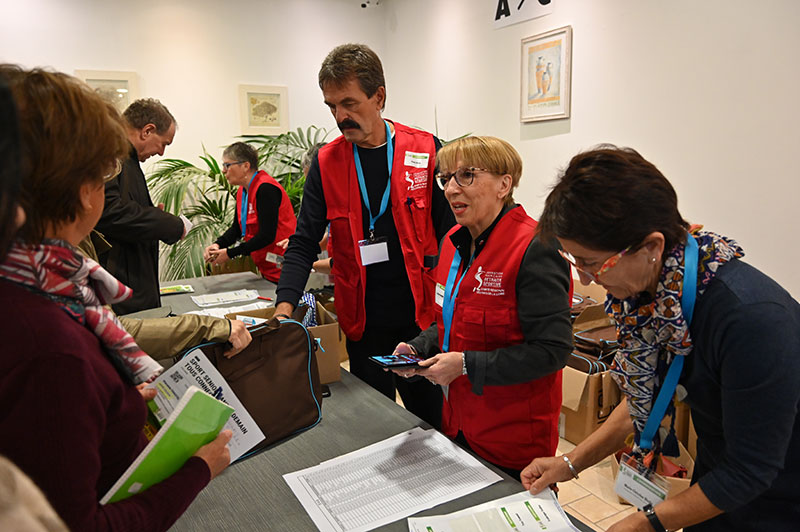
x: 362, y: 184
x: 243, y: 213
x: 450, y: 294
x: 688, y: 296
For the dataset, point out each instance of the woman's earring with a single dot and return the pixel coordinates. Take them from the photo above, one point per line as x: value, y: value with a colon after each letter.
x: 652, y: 259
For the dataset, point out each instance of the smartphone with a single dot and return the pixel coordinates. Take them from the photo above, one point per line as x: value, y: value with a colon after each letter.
x: 396, y: 361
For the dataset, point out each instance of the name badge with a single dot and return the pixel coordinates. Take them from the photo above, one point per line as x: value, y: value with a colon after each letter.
x: 274, y: 257
x: 439, y: 299
x: 416, y: 160
x: 373, y: 251
x: 639, y: 486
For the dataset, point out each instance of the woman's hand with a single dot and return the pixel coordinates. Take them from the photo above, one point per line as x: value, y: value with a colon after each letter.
x: 147, y: 393
x: 442, y: 369
x: 216, y: 454
x: 239, y: 338
x: 283, y: 244
x: 544, y: 472
x: 208, y: 254
x: 405, y: 372
x: 322, y: 266
x: 633, y: 523
x: 220, y: 256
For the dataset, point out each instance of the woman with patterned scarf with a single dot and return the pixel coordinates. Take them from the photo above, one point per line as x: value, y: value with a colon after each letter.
x: 72, y: 415
x: 693, y: 317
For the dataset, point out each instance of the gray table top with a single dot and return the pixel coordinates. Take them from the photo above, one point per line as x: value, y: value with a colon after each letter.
x: 252, y: 496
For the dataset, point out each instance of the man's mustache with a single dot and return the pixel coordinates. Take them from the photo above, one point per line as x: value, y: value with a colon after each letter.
x: 348, y: 124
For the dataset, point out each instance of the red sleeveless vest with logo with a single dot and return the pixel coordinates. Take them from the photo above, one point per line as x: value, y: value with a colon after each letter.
x: 410, y: 198
x: 286, y: 224
x: 507, y: 425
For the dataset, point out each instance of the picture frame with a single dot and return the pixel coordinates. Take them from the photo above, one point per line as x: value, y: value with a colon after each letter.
x: 546, y: 78
x: 116, y: 87
x: 264, y: 109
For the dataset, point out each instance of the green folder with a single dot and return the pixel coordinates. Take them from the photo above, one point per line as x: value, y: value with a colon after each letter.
x: 196, y: 421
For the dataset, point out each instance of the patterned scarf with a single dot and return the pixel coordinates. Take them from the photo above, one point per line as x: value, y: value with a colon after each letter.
x: 81, y: 287
x: 651, y: 333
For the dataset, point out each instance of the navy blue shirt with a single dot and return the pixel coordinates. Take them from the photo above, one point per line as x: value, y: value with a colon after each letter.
x: 743, y: 384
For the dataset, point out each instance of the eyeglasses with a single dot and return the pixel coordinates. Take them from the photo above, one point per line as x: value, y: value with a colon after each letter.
x: 115, y: 172
x: 607, y: 265
x: 225, y: 166
x: 464, y: 176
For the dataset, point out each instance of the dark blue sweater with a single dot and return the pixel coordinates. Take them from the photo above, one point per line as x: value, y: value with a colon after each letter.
x: 743, y: 383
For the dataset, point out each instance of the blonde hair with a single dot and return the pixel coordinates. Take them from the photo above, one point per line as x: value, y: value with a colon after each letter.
x: 490, y: 153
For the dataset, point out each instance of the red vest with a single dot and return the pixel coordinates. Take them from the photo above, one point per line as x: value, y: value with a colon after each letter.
x: 507, y: 425
x: 411, y: 208
x: 286, y: 224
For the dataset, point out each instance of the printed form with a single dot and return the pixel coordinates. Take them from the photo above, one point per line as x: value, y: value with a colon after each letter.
x: 387, y: 481
x: 521, y: 512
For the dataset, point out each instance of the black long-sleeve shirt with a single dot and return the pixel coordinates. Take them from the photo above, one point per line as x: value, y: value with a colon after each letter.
x: 388, y: 298
x: 542, y: 286
x: 268, y: 203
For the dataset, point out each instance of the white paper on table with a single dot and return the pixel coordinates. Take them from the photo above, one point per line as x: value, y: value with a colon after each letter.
x: 521, y: 512
x: 195, y: 369
x: 223, y: 311
x: 387, y: 481
x: 222, y: 298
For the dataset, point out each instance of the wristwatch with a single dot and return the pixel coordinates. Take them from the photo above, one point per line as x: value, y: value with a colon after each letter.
x: 652, y: 518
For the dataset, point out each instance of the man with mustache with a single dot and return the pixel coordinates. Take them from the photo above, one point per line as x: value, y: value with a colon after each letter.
x: 374, y: 185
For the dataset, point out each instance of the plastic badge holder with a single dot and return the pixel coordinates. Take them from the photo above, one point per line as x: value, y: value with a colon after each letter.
x: 638, y: 484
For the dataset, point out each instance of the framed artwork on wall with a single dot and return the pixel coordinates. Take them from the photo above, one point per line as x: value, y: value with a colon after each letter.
x: 116, y: 87
x: 264, y: 109
x: 546, y: 75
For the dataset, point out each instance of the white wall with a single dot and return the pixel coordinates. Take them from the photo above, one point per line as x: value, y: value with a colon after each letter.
x: 708, y: 91
x: 705, y: 90
x: 193, y: 54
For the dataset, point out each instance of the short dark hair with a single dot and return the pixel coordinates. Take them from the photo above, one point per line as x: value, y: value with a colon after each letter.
x: 54, y: 110
x: 242, y: 151
x: 348, y: 61
x: 9, y: 170
x: 610, y: 198
x: 149, y: 111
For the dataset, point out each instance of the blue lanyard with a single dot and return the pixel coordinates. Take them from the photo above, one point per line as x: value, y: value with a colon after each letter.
x: 450, y: 294
x: 674, y: 372
x: 243, y: 214
x: 363, y: 185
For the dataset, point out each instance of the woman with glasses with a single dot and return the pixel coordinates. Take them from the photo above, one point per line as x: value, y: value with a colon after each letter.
x: 502, y: 331
x: 264, y: 215
x: 72, y: 416
x: 696, y: 322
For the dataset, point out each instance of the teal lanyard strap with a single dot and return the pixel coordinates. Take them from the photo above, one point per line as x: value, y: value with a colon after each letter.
x: 688, y: 296
x: 243, y: 213
x: 450, y: 294
x: 363, y: 186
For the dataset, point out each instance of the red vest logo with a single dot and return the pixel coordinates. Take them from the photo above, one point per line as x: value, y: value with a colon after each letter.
x: 489, y: 283
x: 417, y: 180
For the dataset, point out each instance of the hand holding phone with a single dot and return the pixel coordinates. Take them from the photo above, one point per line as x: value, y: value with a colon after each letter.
x: 397, y: 360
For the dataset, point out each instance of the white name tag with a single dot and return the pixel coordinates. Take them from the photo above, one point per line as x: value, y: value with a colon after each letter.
x: 373, y: 252
x: 439, y: 299
x: 274, y: 257
x: 638, y: 489
x: 417, y: 160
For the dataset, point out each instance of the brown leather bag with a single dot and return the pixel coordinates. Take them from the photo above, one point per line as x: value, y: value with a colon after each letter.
x: 276, y: 378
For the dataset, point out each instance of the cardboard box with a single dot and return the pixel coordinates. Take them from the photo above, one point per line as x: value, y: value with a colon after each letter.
x: 676, y: 485
x: 329, y: 334
x: 587, y: 400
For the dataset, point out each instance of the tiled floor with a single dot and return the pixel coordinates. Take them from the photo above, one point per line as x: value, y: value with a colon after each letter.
x: 590, y: 498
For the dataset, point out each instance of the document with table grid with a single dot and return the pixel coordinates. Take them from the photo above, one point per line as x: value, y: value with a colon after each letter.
x: 387, y: 481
